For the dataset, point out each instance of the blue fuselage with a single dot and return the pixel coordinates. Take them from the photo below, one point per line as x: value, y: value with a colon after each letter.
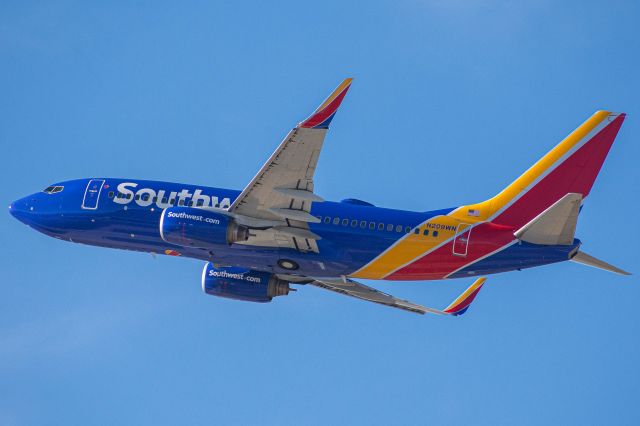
x: 353, y: 233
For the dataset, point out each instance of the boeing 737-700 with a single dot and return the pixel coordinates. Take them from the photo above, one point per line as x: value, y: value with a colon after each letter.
x: 277, y: 231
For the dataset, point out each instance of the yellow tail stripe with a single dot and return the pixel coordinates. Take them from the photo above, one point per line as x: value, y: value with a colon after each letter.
x: 486, y: 209
x: 412, y: 247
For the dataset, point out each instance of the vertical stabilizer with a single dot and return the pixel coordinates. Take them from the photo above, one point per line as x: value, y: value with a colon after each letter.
x: 571, y: 167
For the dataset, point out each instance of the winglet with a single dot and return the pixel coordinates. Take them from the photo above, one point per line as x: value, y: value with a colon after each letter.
x: 322, y: 116
x: 462, y: 303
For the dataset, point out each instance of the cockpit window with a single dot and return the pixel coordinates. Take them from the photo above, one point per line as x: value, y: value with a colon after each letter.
x: 53, y: 189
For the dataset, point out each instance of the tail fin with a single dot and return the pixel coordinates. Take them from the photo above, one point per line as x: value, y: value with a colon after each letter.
x: 571, y: 167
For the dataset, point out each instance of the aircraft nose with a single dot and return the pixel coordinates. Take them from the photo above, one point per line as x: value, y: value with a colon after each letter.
x: 21, y: 210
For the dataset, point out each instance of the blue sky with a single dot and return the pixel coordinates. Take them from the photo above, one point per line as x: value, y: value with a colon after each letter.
x: 451, y: 101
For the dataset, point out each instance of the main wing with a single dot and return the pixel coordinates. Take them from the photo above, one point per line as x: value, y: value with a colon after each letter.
x: 361, y: 291
x: 278, y: 199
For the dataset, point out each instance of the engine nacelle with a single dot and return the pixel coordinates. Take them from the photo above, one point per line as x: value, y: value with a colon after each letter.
x: 193, y: 227
x: 242, y: 284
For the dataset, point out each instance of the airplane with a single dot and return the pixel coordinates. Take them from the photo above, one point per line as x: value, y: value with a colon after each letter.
x: 278, y: 232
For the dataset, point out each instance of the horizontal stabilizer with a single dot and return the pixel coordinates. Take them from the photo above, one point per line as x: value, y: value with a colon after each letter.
x: 361, y: 291
x: 585, y: 259
x: 554, y: 226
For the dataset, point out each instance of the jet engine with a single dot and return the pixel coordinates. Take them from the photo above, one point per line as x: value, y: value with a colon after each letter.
x: 193, y: 227
x: 242, y: 284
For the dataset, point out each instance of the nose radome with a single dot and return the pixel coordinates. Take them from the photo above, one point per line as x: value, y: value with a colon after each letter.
x: 14, y: 208
x: 19, y: 210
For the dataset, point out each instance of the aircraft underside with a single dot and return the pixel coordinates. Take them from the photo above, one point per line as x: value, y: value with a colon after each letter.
x: 137, y: 231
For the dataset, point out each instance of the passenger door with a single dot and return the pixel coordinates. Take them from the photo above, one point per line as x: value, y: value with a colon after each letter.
x: 461, y: 240
x: 92, y: 194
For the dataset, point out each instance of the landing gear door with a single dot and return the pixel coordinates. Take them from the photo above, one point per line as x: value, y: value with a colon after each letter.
x: 461, y: 240
x: 92, y: 194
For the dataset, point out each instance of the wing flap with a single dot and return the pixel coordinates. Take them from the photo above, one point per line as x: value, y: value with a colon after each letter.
x: 301, y: 233
x: 353, y: 288
x: 282, y: 190
x: 295, y: 214
x: 363, y: 292
x: 299, y: 193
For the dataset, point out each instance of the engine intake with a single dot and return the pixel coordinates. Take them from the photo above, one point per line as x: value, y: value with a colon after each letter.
x: 188, y: 226
x: 239, y: 283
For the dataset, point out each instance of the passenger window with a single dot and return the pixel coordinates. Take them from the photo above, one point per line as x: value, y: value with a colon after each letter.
x: 172, y: 201
x: 354, y: 223
x: 390, y: 227
x: 372, y: 225
x: 145, y: 197
x: 399, y: 228
x: 129, y: 196
x: 327, y: 219
x: 137, y: 197
x: 435, y: 233
x: 416, y: 231
x: 190, y: 203
x: 155, y: 200
x: 381, y: 227
x: 111, y: 194
x: 164, y: 200
x: 407, y: 229
x: 336, y: 220
x: 181, y: 203
x: 345, y: 222
x: 363, y: 224
x: 217, y: 205
x: 426, y: 232
x: 200, y: 203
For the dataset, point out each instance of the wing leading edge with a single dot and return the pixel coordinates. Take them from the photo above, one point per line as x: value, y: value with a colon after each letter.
x: 281, y: 193
x: 355, y: 289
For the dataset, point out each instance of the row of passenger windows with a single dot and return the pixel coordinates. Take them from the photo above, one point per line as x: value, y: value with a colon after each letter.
x: 390, y: 227
x: 327, y: 220
x: 163, y: 200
